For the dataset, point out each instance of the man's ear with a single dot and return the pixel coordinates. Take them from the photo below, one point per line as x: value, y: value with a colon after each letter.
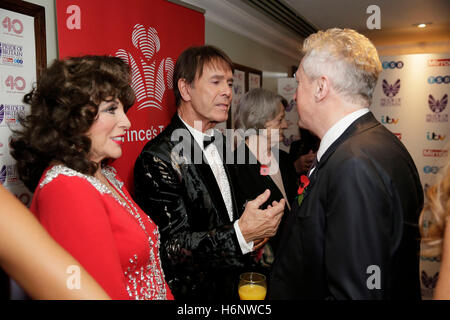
x: 184, y: 89
x: 322, y: 88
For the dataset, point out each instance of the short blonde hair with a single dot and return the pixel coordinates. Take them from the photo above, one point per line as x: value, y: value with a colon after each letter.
x: 438, y: 206
x: 349, y: 60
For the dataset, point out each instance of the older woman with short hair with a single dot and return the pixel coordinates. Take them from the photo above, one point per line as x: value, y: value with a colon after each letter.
x: 260, y: 121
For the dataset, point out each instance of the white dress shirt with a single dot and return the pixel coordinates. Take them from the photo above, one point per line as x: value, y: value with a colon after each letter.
x: 216, y: 164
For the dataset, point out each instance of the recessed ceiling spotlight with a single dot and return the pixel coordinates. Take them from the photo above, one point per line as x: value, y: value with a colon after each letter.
x: 421, y: 25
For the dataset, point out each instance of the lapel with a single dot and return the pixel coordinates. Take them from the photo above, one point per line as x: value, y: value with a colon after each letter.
x: 225, y: 147
x: 365, y: 122
x: 207, y: 176
x: 257, y: 172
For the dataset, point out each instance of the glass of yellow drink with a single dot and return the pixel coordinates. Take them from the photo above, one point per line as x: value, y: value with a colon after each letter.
x: 252, y: 286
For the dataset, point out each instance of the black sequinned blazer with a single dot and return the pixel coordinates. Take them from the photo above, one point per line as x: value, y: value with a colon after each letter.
x: 200, y: 251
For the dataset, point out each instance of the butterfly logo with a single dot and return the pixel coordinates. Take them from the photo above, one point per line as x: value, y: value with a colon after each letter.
x: 290, y: 106
x: 391, y: 90
x: 429, y: 282
x: 2, y: 113
x: 150, y: 78
x: 3, y: 175
x: 437, y: 105
x: 287, y: 141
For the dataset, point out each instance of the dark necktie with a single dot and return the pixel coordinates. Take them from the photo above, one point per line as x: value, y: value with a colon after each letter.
x: 207, y: 140
x: 313, y: 175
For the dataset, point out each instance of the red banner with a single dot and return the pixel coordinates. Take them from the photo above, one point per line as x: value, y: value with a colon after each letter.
x: 149, y: 36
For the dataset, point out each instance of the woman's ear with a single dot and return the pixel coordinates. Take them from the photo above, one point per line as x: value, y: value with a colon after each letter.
x: 184, y: 89
x: 322, y: 88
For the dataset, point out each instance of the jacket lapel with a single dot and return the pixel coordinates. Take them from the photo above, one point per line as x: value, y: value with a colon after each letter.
x: 206, y: 175
x: 361, y: 124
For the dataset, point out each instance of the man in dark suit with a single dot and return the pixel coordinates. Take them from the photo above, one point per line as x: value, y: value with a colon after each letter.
x: 182, y: 182
x: 355, y: 234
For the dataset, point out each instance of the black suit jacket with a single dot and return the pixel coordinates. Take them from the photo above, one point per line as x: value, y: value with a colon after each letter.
x: 200, y: 252
x: 355, y: 235
x: 250, y: 183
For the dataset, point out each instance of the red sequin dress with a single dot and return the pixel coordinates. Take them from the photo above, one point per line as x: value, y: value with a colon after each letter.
x: 115, y: 241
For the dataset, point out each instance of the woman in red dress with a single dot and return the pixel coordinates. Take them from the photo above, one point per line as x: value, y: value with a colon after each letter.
x: 77, y: 123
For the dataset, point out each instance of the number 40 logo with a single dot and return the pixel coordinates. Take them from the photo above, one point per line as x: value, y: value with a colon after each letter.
x: 15, y: 83
x: 14, y: 25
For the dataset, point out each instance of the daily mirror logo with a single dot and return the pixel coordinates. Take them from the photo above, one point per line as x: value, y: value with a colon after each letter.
x: 438, y: 153
x: 439, y: 62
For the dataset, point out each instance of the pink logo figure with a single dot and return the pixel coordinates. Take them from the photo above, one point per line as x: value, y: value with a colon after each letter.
x: 437, y: 105
x: 391, y: 90
x: 150, y: 77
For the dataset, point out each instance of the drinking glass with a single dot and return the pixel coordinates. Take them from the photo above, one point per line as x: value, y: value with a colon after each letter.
x: 252, y: 286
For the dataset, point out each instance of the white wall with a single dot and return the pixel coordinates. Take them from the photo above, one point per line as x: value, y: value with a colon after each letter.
x: 50, y: 27
x: 250, y: 53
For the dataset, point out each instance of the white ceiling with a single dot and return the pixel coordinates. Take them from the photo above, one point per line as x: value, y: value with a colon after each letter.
x: 352, y: 13
x: 396, y: 15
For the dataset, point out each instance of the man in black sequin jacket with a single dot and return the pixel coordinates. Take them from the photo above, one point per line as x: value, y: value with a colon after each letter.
x: 185, y: 187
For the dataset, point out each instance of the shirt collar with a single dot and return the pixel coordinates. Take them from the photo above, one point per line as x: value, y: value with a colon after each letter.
x: 337, y: 130
x: 197, y: 134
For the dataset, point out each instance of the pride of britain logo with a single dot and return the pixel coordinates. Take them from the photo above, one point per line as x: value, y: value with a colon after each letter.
x: 10, y: 114
x: 390, y: 90
x: 437, y: 106
x: 8, y: 174
x: 11, y: 54
x: 2, y: 113
x: 3, y: 175
x: 151, y: 76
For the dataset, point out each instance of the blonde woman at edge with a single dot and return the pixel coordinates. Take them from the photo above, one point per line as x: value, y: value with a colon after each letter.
x: 438, y: 236
x: 34, y: 260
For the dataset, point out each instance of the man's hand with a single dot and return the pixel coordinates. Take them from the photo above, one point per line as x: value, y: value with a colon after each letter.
x: 256, y: 224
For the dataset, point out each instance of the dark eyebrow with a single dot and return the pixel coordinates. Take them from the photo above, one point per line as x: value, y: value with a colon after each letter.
x: 111, y: 102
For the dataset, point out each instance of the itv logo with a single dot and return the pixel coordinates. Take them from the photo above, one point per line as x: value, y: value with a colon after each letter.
x: 435, y: 137
x: 389, y: 120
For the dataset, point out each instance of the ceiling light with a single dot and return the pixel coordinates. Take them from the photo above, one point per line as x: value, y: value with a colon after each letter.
x: 422, y: 25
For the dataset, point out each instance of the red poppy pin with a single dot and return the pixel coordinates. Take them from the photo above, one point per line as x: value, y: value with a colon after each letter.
x: 304, y: 182
x: 264, y: 170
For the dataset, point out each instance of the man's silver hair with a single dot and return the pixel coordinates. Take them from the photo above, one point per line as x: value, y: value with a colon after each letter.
x: 347, y: 58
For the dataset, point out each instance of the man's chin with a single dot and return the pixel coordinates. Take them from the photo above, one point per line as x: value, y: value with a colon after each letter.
x: 222, y: 118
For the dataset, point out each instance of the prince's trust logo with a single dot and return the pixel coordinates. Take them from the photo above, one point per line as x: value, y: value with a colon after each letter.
x: 151, y: 77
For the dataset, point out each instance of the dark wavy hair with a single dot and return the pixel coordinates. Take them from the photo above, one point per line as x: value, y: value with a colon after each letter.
x: 64, y: 105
